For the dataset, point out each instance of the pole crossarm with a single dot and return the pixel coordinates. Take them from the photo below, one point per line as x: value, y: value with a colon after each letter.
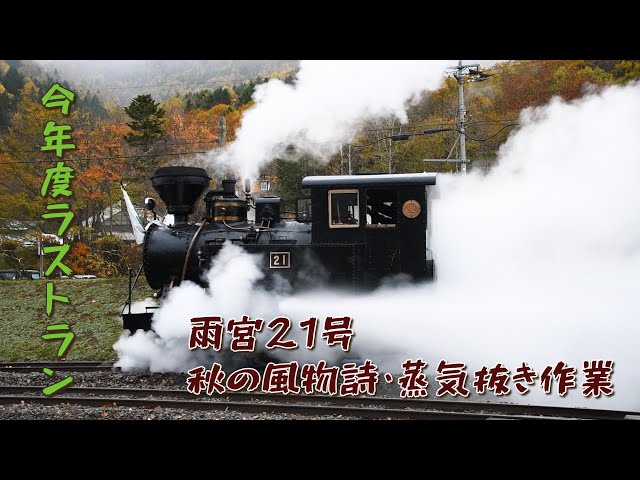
x: 446, y: 160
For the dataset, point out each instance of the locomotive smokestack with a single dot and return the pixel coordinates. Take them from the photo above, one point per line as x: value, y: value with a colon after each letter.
x: 180, y: 188
x: 229, y: 188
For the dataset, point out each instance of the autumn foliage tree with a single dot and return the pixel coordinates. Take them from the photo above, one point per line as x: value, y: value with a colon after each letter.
x: 115, y: 144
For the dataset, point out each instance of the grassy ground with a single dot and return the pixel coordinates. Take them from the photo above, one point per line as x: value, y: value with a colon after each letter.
x: 93, y: 313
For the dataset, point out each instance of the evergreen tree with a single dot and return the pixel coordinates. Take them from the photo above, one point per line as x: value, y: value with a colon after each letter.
x: 147, y: 120
x: 7, y: 109
x: 95, y: 106
x: 244, y: 91
x: 13, y: 81
x: 220, y: 95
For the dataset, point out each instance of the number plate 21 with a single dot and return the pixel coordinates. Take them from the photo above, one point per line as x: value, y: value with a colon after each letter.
x: 279, y: 260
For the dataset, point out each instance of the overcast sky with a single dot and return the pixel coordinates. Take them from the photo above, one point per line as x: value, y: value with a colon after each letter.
x: 132, y: 64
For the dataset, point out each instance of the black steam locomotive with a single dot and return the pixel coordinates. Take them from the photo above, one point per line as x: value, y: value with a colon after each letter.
x: 352, y: 230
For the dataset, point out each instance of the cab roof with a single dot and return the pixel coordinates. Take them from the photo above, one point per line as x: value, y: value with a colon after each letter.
x: 376, y: 179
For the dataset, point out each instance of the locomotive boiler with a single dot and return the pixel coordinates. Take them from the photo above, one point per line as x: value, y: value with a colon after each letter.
x: 351, y: 230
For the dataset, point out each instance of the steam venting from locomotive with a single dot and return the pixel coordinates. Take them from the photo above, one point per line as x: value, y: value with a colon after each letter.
x: 538, y: 261
x: 321, y: 109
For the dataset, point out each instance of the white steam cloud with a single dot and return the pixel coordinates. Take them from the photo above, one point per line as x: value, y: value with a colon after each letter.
x: 328, y: 98
x: 538, y: 261
x: 232, y: 293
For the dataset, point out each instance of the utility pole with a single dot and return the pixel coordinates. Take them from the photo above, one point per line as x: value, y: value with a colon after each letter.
x: 222, y: 132
x: 349, y: 170
x: 349, y: 154
x: 459, y: 73
x: 41, y: 257
x: 462, y: 112
x: 110, y: 210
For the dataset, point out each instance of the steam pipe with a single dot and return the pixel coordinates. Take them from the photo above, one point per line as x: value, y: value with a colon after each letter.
x: 191, y: 244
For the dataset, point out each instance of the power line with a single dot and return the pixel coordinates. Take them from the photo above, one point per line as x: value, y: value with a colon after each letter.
x: 396, y: 137
x: 210, y: 82
x: 442, y: 124
x: 492, y: 122
x: 406, y: 136
x: 102, y: 158
x: 490, y: 136
x: 37, y: 148
x: 232, y: 83
x: 213, y: 142
x: 419, y: 125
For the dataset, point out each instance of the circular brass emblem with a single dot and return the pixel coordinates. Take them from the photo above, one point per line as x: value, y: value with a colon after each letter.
x: 411, y: 209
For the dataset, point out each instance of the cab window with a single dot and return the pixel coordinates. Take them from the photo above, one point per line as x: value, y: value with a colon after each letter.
x: 382, y: 208
x: 344, y: 209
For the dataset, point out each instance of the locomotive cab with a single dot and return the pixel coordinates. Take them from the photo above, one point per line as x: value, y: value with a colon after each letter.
x: 384, y: 217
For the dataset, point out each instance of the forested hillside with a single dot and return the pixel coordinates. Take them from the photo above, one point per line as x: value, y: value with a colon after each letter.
x: 120, y: 81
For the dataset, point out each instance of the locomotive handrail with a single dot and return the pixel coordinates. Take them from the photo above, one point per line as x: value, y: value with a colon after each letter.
x: 131, y: 287
x: 259, y: 228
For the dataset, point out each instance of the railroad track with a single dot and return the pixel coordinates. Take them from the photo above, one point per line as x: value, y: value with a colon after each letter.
x: 23, y: 367
x: 357, y: 407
